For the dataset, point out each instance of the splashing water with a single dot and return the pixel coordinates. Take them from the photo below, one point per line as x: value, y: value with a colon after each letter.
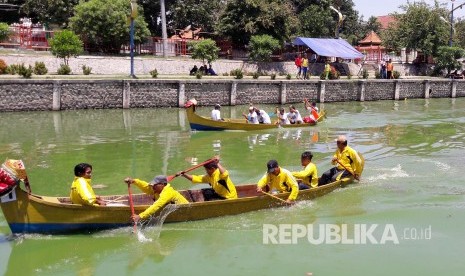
x: 156, y: 222
x: 387, y: 173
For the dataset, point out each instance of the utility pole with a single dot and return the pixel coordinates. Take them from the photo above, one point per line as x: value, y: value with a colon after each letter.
x: 451, y: 24
x: 452, y: 20
x: 131, y: 36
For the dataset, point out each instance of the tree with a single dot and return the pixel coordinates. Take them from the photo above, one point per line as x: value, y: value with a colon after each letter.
x: 460, y: 33
x: 65, y: 44
x: 245, y: 18
x: 317, y: 19
x: 261, y: 47
x: 205, y: 49
x: 420, y: 27
x: 4, y: 31
x: 104, y: 24
x: 198, y: 14
x: 447, y: 58
x: 50, y: 11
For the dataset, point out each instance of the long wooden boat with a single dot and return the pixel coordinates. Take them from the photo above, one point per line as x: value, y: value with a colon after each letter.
x: 30, y: 213
x: 198, y: 122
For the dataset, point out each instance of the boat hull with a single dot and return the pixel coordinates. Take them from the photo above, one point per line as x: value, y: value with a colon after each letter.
x: 49, y: 215
x: 201, y: 123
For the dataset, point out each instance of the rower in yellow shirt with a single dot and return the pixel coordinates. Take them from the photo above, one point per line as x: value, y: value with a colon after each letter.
x: 218, y: 177
x: 81, y: 190
x: 280, y: 179
x: 308, y: 177
x: 161, y: 190
x: 348, y: 163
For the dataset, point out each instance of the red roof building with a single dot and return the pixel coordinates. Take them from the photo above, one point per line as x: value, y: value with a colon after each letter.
x: 385, y: 20
x: 371, y: 47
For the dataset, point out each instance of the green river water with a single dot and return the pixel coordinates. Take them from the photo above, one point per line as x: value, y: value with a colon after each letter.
x: 413, y: 185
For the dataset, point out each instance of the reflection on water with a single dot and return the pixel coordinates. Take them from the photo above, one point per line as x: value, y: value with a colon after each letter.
x: 413, y: 151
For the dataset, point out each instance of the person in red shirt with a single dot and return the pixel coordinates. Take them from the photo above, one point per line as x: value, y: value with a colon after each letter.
x: 298, y: 63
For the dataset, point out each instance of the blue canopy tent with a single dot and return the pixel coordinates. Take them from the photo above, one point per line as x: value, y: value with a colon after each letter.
x: 329, y: 47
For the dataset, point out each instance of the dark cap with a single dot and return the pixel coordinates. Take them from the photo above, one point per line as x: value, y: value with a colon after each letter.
x: 217, y: 106
x: 272, y: 165
x: 159, y: 179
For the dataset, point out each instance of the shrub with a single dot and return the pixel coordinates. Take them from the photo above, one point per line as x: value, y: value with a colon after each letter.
x: 255, y: 75
x: 377, y: 75
x: 365, y: 74
x: 86, y: 70
x: 237, y: 73
x: 40, y: 68
x: 64, y: 69
x: 3, y: 66
x: 225, y: 74
x: 204, y: 50
x: 333, y: 74
x: 349, y: 75
x: 198, y: 75
x: 12, y: 69
x: 25, y: 72
x: 154, y: 73
x: 273, y: 76
x: 4, y: 31
x: 288, y: 76
x: 261, y: 47
x: 396, y: 74
x: 65, y: 44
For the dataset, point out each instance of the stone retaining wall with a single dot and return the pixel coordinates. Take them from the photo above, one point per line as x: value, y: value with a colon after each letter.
x: 29, y: 95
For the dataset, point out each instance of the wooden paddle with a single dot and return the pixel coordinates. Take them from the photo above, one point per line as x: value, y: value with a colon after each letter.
x: 131, y: 204
x: 116, y: 199
x: 345, y: 168
x: 171, y: 177
x: 275, y: 197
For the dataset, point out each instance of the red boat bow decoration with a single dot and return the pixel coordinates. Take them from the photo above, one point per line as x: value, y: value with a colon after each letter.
x: 11, y: 172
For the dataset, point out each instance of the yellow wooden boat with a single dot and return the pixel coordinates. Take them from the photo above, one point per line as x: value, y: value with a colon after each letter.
x: 26, y: 212
x: 198, y: 122
x: 30, y: 213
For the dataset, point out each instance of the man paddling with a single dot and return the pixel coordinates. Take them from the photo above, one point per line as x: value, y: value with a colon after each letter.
x: 159, y: 189
x: 280, y: 179
x: 308, y: 177
x: 347, y: 161
x: 218, y: 177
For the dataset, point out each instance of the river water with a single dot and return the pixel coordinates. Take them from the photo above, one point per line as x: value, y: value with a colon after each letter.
x: 405, y: 217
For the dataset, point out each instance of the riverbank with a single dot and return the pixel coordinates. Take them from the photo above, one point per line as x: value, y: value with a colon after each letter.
x: 61, y: 94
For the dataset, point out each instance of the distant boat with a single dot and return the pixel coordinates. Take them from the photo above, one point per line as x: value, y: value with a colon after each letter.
x: 198, y: 122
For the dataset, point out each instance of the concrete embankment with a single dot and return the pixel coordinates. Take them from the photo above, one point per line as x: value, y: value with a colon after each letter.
x: 32, y: 94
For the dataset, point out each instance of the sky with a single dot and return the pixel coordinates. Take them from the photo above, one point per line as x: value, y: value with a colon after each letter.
x: 368, y: 8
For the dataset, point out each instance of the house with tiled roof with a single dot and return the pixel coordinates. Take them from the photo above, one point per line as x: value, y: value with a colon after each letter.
x: 385, y: 20
x: 371, y: 47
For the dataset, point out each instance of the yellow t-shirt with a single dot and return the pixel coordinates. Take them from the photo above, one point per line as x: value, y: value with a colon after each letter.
x: 283, y: 182
x: 350, y: 159
x: 304, y: 62
x: 308, y: 176
x: 221, y: 183
x: 82, y: 192
x: 167, y: 195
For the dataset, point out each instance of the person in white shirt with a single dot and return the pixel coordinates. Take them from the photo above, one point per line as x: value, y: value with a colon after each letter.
x: 263, y: 117
x: 252, y: 117
x: 282, y: 116
x: 294, y: 116
x: 216, y: 114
